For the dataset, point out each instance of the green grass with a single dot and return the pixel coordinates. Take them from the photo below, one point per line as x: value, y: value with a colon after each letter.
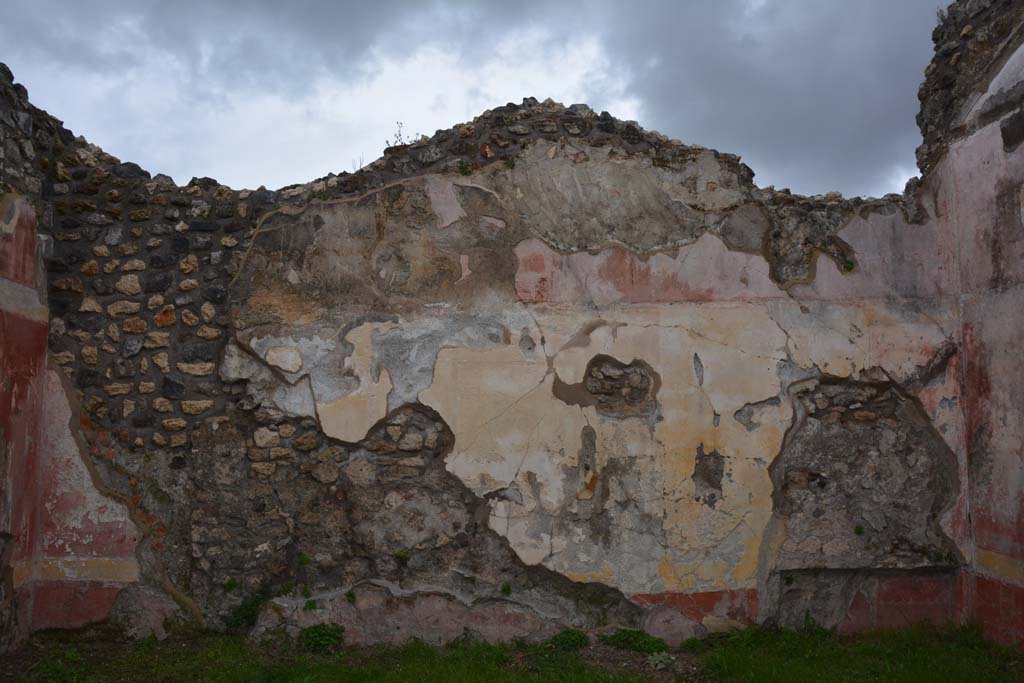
x: 915, y: 655
x: 229, y: 659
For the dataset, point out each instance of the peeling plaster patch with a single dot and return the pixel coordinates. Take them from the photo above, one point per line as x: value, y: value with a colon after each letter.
x: 84, y: 535
x: 746, y: 415
x: 12, y: 207
x: 706, y: 270
x: 494, y: 401
x: 409, y: 350
x: 350, y: 417
x: 464, y: 265
x: 295, y: 400
x: 263, y: 387
x: 637, y: 205
x: 842, y: 339
x: 237, y: 365
x: 894, y: 260
x: 293, y: 352
x: 624, y: 509
x: 284, y: 357
x: 443, y: 200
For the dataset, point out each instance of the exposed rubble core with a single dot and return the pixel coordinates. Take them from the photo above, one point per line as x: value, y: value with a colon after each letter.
x: 861, y: 486
x: 378, y: 518
x: 615, y: 389
x: 542, y: 369
x: 863, y: 480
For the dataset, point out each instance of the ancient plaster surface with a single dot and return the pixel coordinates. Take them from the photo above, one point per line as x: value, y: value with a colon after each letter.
x: 542, y: 369
x: 618, y: 396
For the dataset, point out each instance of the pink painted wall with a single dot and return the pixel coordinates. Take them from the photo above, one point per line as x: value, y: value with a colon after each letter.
x: 986, y: 204
x: 967, y: 260
x: 69, y: 549
x: 23, y: 331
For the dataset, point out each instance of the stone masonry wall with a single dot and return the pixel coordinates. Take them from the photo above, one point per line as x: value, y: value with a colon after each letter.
x: 973, y: 41
x: 544, y: 368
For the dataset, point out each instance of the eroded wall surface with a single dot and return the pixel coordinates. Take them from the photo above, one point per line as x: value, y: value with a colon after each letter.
x: 633, y: 398
x: 986, y: 169
x: 545, y: 368
x: 23, y: 318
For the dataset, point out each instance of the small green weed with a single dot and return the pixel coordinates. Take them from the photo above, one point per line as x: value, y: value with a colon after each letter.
x: 506, y: 588
x: 660, y: 661
x: 351, y: 597
x: 309, y: 605
x: 569, y: 640
x: 246, y: 613
x: 633, y: 639
x: 322, y: 638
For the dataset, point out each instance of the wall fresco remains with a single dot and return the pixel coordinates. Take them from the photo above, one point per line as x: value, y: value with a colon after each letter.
x: 545, y: 368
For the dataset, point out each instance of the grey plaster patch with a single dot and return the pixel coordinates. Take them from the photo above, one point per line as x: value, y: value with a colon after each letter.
x: 747, y: 415
x: 409, y: 352
x: 263, y: 387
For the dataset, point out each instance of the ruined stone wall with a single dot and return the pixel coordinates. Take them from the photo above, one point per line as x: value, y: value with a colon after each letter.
x: 983, y: 174
x: 974, y: 40
x: 65, y: 550
x: 545, y: 368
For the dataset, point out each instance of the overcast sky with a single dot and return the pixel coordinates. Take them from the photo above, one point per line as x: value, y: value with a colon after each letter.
x: 815, y: 95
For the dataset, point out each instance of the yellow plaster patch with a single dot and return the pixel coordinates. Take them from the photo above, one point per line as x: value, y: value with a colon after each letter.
x: 112, y: 569
x: 999, y: 565
x: 350, y: 417
x: 649, y: 534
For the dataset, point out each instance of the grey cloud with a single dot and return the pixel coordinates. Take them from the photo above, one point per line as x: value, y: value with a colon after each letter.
x: 815, y: 95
